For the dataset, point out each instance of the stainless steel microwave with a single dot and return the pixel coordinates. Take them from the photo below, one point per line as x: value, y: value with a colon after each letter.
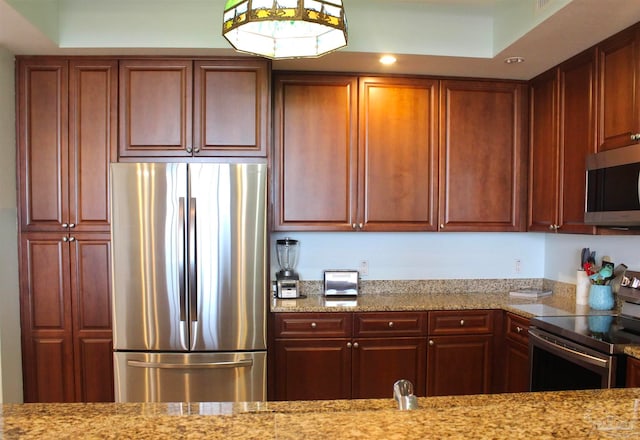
x: 613, y: 188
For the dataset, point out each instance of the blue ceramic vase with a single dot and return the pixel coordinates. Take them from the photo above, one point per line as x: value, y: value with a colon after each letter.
x: 601, y: 297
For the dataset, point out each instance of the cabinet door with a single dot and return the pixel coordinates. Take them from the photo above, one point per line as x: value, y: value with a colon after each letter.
x: 398, y: 154
x: 482, y: 156
x: 516, y: 366
x: 577, y: 139
x: 91, y: 293
x: 459, y: 365
x: 633, y: 372
x: 312, y: 369
x: 45, y: 302
x: 315, y: 146
x: 231, y: 108
x: 93, y: 88
x: 619, y: 90
x: 155, y: 108
x: 543, y: 153
x: 42, y: 86
x: 379, y: 362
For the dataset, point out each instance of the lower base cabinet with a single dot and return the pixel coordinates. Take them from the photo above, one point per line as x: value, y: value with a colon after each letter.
x: 633, y: 372
x: 361, y: 355
x: 516, y: 354
x: 312, y: 364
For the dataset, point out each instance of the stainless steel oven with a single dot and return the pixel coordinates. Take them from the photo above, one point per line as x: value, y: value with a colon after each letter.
x: 577, y: 352
x: 561, y: 364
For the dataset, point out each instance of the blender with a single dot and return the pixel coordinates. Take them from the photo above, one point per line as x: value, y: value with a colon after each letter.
x: 287, y: 279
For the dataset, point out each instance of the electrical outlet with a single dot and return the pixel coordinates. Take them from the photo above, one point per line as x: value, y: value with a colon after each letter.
x: 364, y: 268
x: 517, y: 266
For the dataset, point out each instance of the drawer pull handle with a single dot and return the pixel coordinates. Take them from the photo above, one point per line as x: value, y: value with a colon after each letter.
x: 462, y: 323
x: 390, y: 323
x: 314, y: 325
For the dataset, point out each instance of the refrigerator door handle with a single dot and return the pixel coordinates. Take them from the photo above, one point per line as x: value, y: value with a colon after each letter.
x: 181, y: 259
x: 232, y: 364
x: 193, y: 275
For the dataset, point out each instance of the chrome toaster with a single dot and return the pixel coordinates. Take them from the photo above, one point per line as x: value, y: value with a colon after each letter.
x: 340, y: 282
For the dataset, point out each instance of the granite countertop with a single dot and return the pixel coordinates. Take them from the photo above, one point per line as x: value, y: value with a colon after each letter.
x: 385, y: 296
x: 592, y: 414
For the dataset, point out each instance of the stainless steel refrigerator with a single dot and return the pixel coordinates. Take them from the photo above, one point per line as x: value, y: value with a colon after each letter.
x: 189, y: 286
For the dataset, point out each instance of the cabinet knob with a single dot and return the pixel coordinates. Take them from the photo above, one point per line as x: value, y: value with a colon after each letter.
x: 65, y: 239
x: 360, y: 225
x: 462, y: 323
x: 72, y: 225
x: 519, y: 329
x: 635, y: 137
x: 353, y: 226
x: 348, y: 344
x: 356, y: 345
x: 64, y: 225
x: 189, y: 150
x: 431, y: 342
x: 441, y: 225
x: 196, y: 150
x: 72, y: 239
x: 314, y: 325
x: 391, y: 324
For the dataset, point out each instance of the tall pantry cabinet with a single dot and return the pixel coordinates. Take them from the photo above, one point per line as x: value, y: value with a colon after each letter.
x: 66, y: 134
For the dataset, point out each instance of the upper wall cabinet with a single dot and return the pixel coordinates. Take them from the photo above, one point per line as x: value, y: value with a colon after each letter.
x: 66, y: 140
x: 182, y: 108
x: 619, y: 90
x: 482, y: 155
x: 315, y: 162
x: 355, y: 154
x: 563, y: 126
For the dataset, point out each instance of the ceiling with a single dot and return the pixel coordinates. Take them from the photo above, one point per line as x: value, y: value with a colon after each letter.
x: 469, y: 38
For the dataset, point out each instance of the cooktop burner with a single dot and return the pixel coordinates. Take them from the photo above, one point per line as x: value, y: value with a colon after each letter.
x: 608, y: 333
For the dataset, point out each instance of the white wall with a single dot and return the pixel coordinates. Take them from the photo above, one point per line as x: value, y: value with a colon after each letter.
x: 419, y: 255
x: 10, y: 353
x: 562, y: 255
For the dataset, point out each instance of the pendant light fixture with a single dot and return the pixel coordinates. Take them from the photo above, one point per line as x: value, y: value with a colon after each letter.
x: 280, y: 29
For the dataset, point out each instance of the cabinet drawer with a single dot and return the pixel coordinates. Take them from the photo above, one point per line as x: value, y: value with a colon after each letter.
x: 460, y: 322
x: 517, y: 328
x: 305, y: 325
x: 390, y: 324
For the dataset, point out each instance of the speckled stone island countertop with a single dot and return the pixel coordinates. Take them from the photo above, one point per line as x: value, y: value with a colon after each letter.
x: 593, y: 414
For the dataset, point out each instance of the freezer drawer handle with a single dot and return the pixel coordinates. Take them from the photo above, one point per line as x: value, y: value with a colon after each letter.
x: 228, y: 364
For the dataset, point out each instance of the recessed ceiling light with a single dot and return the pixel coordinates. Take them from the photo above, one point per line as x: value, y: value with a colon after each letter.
x: 514, y: 60
x: 387, y: 59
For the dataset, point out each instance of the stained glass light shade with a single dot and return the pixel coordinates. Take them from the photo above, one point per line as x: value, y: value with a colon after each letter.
x: 280, y: 29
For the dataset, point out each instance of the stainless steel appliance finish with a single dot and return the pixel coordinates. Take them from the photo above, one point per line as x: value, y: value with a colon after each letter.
x: 189, y: 280
x: 613, y: 188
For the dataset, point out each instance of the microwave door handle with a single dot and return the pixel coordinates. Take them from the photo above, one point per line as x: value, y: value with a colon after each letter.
x: 193, y: 255
x: 181, y: 259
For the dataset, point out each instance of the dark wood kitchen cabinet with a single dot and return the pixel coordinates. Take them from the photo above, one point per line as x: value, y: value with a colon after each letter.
x: 183, y: 108
x: 66, y: 320
x: 482, y: 179
x: 355, y: 153
x: 66, y: 112
x: 460, y: 352
x: 562, y: 134
x: 66, y: 140
x: 633, y: 372
x: 320, y: 356
x: 619, y: 89
x: 516, y: 352
x: 312, y: 356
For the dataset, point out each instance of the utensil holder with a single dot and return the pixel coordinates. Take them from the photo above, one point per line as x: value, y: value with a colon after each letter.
x: 601, y: 297
x: 582, y: 288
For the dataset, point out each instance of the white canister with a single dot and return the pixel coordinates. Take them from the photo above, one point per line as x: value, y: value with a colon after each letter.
x: 582, y: 287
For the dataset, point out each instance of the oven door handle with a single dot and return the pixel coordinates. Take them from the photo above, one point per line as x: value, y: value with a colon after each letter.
x: 561, y: 349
